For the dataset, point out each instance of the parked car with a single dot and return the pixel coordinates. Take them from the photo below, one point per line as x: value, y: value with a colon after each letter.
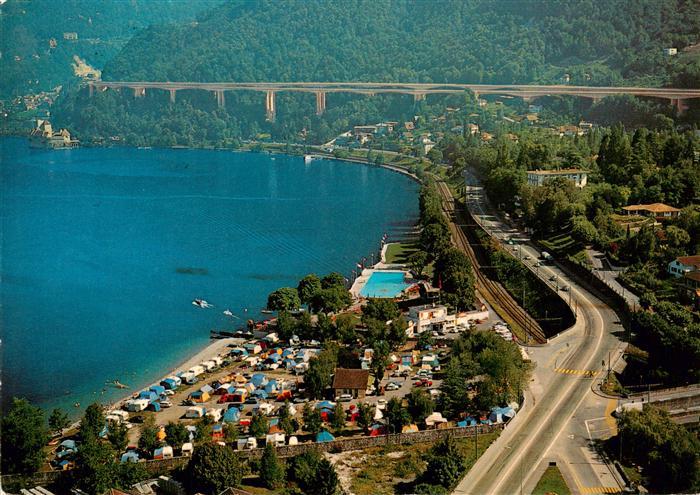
x: 165, y: 403
x: 252, y: 400
x: 300, y: 400
x: 392, y: 386
x: 424, y: 382
x: 345, y: 398
x: 565, y: 288
x: 169, y: 392
x: 552, y: 278
x: 381, y: 403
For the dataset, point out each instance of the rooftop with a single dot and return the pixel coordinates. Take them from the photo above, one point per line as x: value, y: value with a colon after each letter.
x: 690, y: 260
x: 653, y: 207
x: 350, y: 378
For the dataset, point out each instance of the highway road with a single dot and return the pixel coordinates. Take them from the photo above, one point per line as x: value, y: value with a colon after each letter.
x: 560, y: 406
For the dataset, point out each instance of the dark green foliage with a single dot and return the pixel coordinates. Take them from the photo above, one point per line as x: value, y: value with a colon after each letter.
x: 284, y: 299
x: 213, y: 468
x: 397, y: 416
x: 446, y: 464
x: 148, y: 440
x: 271, y: 468
x: 259, y: 425
x: 118, y: 435
x: 420, y: 404
x: 308, y: 287
x: 97, y: 468
x: 312, y: 419
x: 668, y: 452
x: 454, y: 275
x: 286, y: 325
x: 321, y: 367
x: 365, y: 415
x: 417, y: 262
x: 331, y: 300
x: 338, y: 419
x: 93, y: 421
x: 333, y: 280
x: 176, y: 434
x: 314, y: 474
x: 381, y: 309
x: 23, y: 438
x: 58, y: 420
x: 287, y: 422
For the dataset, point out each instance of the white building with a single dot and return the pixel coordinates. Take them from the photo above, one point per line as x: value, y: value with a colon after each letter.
x: 538, y: 177
x: 684, y: 264
x: 435, y: 318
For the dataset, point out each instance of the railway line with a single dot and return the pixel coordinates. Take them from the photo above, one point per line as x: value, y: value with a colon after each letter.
x: 492, y: 291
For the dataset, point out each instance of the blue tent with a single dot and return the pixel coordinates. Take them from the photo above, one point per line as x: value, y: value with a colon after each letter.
x: 289, y: 363
x: 69, y: 445
x: 169, y: 383
x: 154, y: 406
x: 326, y: 404
x: 259, y: 393
x: 324, y: 436
x: 271, y: 387
x: 258, y: 379
x: 148, y: 395
x: 232, y: 415
x: 231, y: 388
x: 274, y: 357
x: 287, y: 352
x: 462, y: 424
x: 130, y: 456
x: 501, y: 414
x: 158, y: 389
x: 274, y: 421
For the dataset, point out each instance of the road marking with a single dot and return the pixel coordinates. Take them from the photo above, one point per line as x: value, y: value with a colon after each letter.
x: 568, y: 371
x: 600, y: 489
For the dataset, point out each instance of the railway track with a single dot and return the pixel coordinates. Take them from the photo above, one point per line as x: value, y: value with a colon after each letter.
x: 492, y: 291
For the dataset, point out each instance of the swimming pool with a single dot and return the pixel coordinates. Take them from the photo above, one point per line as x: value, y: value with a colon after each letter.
x: 384, y: 284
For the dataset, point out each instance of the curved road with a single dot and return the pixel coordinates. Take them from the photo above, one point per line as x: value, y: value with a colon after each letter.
x: 509, y: 464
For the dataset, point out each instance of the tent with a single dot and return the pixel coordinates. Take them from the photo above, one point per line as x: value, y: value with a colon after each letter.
x: 165, y: 452
x: 158, y: 389
x: 412, y: 428
x: 225, y: 388
x: 324, y: 436
x: 148, y: 395
x: 232, y: 415
x: 130, y: 456
x: 169, y: 383
x: 284, y: 395
x: 435, y: 419
x: 195, y: 412
x: 276, y: 439
x: 217, y: 431
x: 501, y: 414
x: 187, y: 449
x: 325, y: 404
x: 206, y: 388
x: 259, y: 393
x: 153, y: 406
x: 258, y: 380
x: 199, y: 396
x: 68, y: 445
x: 377, y: 430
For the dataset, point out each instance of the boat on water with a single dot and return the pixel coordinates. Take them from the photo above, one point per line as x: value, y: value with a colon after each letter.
x: 266, y: 311
x: 308, y: 158
x: 228, y: 312
x: 202, y: 303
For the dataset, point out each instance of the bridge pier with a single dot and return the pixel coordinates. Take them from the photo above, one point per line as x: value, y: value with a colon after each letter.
x: 220, y: 98
x: 139, y: 92
x: 680, y: 104
x: 270, y: 106
x: 417, y: 96
x: 320, y: 102
x: 91, y: 89
x: 172, y: 95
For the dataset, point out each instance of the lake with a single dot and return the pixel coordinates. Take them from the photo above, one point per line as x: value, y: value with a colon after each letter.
x: 104, y: 249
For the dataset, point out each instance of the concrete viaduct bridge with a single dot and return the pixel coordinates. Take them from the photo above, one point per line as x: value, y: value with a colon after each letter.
x: 419, y: 91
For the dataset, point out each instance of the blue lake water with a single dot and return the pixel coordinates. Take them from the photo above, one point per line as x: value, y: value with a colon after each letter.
x: 103, y: 250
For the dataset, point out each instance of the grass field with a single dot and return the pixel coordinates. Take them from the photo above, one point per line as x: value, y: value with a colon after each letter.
x: 552, y: 482
x: 398, y: 252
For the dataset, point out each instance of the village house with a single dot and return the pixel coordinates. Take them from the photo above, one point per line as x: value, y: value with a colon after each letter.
x: 539, y: 177
x: 683, y: 265
x: 656, y: 210
x: 436, y: 318
x: 352, y: 382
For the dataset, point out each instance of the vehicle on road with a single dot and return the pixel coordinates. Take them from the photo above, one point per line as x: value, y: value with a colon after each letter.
x: 381, y: 403
x: 424, y: 382
x: 392, y: 386
x: 165, y: 403
x: 552, y: 278
x: 345, y: 398
x: 565, y: 288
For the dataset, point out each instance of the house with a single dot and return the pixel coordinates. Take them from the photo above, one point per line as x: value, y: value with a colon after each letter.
x: 670, y: 52
x: 684, y: 265
x: 691, y: 282
x: 539, y: 177
x: 656, y: 210
x: 71, y: 36
x: 435, y: 318
x: 350, y: 381
x: 473, y: 129
x: 409, y: 126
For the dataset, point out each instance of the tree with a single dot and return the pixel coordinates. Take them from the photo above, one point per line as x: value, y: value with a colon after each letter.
x: 417, y: 262
x: 204, y: 429
x: 271, y: 469
x: 23, y: 438
x: 446, y: 464
x: 303, y: 468
x: 396, y: 415
x: 308, y: 287
x: 381, y: 309
x: 58, y: 420
x: 283, y: 299
x: 338, y: 420
x: 286, y: 325
x: 425, y: 340
x: 214, y: 468
x: 312, y: 419
x: 176, y: 434
x: 365, y: 416
x: 380, y: 360
x: 231, y: 433
x: 318, y: 377
x: 93, y: 421
x: 333, y: 280
x: 332, y: 299
x: 95, y: 466
x: 454, y: 276
x: 345, y: 328
x: 420, y: 404
x: 118, y: 435
x: 453, y: 390
x: 287, y: 422
x: 148, y: 440
x: 326, y: 479
x: 259, y: 425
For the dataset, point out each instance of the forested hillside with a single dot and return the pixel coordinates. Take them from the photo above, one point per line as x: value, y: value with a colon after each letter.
x: 30, y: 64
x: 486, y: 41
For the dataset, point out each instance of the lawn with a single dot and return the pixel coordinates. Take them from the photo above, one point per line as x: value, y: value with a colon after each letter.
x: 392, y: 469
x: 398, y: 252
x: 552, y: 482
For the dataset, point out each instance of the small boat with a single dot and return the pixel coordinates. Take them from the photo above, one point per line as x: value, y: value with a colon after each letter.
x: 202, y: 303
x: 266, y: 311
x: 228, y: 312
x: 308, y: 158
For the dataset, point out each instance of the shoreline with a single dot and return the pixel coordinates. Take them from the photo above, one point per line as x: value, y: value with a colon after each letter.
x: 199, y: 354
